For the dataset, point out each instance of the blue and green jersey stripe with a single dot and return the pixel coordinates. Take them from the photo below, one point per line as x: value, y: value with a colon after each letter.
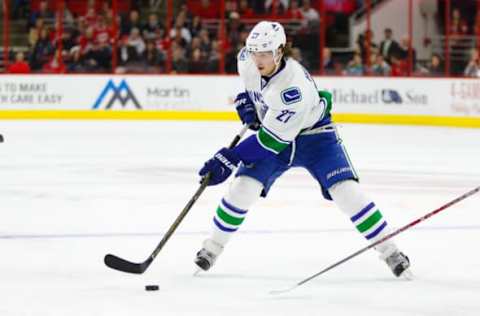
x: 271, y: 142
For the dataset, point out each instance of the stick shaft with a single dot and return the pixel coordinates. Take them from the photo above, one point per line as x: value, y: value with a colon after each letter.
x: 398, y: 231
x: 118, y: 263
x: 194, y: 198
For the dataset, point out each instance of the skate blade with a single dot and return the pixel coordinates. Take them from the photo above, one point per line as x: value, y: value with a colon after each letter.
x: 407, y: 275
x: 282, y: 291
x: 197, y: 271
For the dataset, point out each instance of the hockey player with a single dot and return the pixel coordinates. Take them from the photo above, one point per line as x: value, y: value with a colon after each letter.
x: 293, y: 129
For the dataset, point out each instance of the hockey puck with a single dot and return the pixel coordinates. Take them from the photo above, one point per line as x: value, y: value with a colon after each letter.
x: 1, y: 138
x: 151, y: 287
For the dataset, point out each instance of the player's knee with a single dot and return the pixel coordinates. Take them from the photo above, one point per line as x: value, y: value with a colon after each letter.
x: 339, y: 187
x: 243, y: 192
x: 348, y: 195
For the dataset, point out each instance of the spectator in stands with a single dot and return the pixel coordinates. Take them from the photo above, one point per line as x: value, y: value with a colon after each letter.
x: 133, y: 21
x: 103, y: 38
x: 213, y: 61
x: 68, y: 18
x: 126, y: 56
x: 103, y: 34
x: 184, y: 15
x: 106, y: 11
x: 294, y: 12
x: 181, y: 31
x: 85, y: 53
x: 205, y: 41
x: 379, y: 66
x: 365, y: 46
x: 388, y: 47
x: 403, y: 51
x: 42, y: 51
x: 311, y: 18
x: 34, y: 32
x: 79, y: 29
x: 269, y: 4
x: 473, y: 66
x: 136, y: 41
x: 245, y: 11
x: 276, y: 8
x: 458, y: 25
x: 153, y: 58
x: 196, y: 27
x: 399, y: 67
x: 231, y: 55
x: 234, y: 29
x: 55, y: 64
x: 43, y: 12
x: 90, y: 17
x: 152, y: 27
x: 68, y: 43
x: 20, y: 66
x: 194, y: 44
x: 230, y: 6
x: 459, y: 41
x: 179, y: 62
x: 355, y: 66
x: 206, y: 9
x: 162, y: 42
x: 340, y: 7
x: 435, y: 67
x: 328, y: 64
x: 197, y: 64
x: 338, y: 12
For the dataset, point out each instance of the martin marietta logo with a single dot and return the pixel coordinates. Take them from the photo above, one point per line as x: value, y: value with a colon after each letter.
x: 121, y: 93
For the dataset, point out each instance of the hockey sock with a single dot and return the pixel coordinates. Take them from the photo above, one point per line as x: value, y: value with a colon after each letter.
x: 233, y: 208
x: 363, y: 213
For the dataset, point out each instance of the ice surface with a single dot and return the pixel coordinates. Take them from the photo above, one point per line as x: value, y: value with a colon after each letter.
x: 73, y: 191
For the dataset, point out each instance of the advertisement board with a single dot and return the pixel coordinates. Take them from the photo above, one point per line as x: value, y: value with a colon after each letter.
x: 366, y: 99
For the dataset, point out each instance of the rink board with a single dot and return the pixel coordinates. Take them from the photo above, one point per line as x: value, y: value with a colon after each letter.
x: 415, y: 101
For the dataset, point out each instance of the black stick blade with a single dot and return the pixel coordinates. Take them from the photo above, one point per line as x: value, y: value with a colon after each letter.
x: 123, y: 265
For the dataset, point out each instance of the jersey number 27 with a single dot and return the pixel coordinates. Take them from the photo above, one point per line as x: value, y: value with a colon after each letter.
x: 285, y: 115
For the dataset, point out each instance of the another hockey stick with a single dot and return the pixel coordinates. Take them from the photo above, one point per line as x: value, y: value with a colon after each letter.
x: 398, y: 231
x: 120, y: 264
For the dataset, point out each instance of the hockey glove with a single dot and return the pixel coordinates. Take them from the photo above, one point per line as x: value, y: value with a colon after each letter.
x: 246, y: 111
x: 221, y: 166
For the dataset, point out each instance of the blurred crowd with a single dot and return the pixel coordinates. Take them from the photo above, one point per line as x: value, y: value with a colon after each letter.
x: 87, y: 37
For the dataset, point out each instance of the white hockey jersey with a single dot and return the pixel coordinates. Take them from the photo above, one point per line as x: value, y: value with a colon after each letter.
x: 286, y: 104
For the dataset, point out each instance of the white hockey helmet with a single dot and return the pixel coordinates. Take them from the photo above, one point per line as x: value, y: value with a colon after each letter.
x: 266, y: 36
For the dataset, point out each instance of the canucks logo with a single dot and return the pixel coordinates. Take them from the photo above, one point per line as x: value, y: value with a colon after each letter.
x: 116, y: 95
x: 291, y: 95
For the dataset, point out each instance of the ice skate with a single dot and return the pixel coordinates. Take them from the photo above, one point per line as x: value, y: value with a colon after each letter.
x: 399, y: 264
x: 207, y: 256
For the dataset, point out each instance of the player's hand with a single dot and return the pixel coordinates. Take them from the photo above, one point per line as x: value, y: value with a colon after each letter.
x: 221, y: 166
x: 246, y: 111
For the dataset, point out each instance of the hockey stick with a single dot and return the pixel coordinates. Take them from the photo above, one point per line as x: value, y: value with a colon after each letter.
x: 120, y: 264
x: 398, y: 231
